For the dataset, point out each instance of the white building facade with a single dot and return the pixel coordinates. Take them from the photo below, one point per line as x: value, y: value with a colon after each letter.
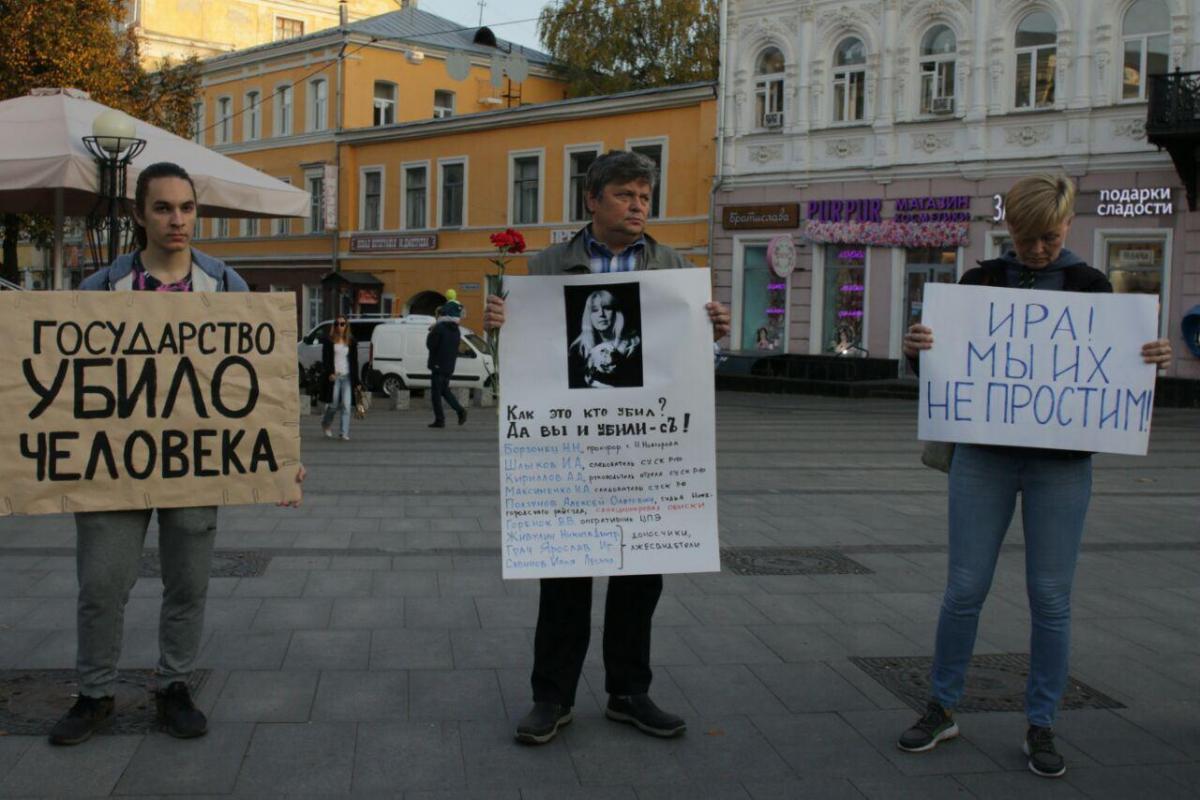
x: 877, y: 138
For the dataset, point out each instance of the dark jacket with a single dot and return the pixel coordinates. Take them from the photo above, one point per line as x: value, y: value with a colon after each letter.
x: 442, y: 343
x: 327, y: 368
x: 571, y: 257
x: 213, y: 275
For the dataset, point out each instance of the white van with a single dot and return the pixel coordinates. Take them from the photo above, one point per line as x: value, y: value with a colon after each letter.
x: 399, y: 357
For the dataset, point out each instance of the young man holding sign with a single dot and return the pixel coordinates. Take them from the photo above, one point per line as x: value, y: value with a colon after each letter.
x: 1055, y: 488
x: 109, y: 543
x: 619, y: 190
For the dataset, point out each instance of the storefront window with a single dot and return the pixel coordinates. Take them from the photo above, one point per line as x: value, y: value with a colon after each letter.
x: 845, y: 296
x: 1135, y: 266
x: 764, y: 303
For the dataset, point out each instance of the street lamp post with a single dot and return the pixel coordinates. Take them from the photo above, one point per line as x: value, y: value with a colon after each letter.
x: 114, y: 146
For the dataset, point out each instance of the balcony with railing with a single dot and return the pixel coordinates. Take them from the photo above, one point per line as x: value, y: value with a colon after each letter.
x: 1173, y: 123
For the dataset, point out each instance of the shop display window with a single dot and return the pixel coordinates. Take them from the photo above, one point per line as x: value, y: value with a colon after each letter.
x: 845, y: 300
x: 1136, y: 266
x: 764, y: 303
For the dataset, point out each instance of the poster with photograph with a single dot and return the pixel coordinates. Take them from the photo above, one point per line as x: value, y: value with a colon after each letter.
x: 607, y: 429
x: 124, y: 400
x: 1029, y: 368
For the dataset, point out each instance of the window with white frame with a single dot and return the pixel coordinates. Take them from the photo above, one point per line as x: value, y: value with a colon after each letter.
x: 1145, y: 40
x: 249, y: 227
x: 371, y: 215
x: 1136, y: 262
x: 224, y: 120
x: 252, y: 116
x: 416, y: 194
x: 654, y: 152
x: 315, y: 183
x: 222, y: 231
x: 281, y: 226
x: 385, y: 103
x: 768, y: 89
x: 937, y: 59
x: 1036, y: 51
x: 312, y: 305
x: 452, y: 193
x: 198, y: 122
x: 579, y: 162
x: 283, y: 111
x: 443, y: 104
x: 849, y: 80
x: 526, y: 189
x: 318, y: 104
x: 764, y: 300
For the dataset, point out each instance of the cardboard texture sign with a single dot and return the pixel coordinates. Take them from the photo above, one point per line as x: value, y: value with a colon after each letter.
x: 122, y: 400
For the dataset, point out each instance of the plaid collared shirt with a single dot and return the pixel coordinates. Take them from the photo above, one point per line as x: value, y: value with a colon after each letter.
x: 601, y: 259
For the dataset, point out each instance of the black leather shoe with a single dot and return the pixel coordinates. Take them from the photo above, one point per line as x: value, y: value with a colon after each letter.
x: 437, y: 425
x: 462, y: 416
x: 639, y: 710
x: 177, y: 715
x: 542, y: 722
x: 85, y: 717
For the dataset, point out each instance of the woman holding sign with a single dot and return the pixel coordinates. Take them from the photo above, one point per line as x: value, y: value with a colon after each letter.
x: 1055, y: 488
x: 109, y: 543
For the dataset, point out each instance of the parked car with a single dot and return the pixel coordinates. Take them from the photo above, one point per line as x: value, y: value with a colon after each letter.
x: 398, y: 358
x: 308, y: 349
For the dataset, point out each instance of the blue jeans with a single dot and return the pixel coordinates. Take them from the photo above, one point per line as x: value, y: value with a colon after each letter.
x: 1055, y: 492
x: 342, y: 400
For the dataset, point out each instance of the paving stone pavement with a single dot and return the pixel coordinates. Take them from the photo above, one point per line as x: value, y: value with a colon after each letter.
x: 381, y: 655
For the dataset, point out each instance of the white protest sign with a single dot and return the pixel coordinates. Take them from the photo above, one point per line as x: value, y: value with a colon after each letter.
x: 607, y: 430
x: 1028, y: 368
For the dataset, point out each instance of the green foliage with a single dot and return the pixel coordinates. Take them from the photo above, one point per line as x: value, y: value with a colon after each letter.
x: 607, y: 46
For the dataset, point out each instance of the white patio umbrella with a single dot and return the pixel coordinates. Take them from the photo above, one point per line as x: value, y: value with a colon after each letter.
x: 45, y: 168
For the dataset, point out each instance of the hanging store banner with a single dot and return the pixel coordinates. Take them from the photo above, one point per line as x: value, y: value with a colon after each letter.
x: 329, y: 196
x: 123, y: 400
x: 1030, y: 368
x: 607, y: 429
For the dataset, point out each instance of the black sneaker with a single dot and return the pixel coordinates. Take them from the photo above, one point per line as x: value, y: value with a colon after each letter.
x: 462, y: 416
x: 936, y: 726
x: 437, y: 425
x: 639, y: 710
x: 177, y: 715
x: 85, y: 717
x: 1044, y: 759
x: 542, y: 722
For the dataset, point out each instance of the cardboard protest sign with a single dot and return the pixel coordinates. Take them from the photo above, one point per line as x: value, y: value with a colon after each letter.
x: 121, y: 400
x: 1028, y: 368
x: 607, y: 430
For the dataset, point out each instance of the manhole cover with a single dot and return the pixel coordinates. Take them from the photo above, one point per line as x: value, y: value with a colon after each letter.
x: 994, y: 683
x: 225, y: 564
x: 788, y: 561
x: 32, y: 700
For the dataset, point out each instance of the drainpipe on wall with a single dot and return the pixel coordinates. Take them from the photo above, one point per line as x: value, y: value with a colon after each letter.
x: 343, y: 21
x: 718, y: 178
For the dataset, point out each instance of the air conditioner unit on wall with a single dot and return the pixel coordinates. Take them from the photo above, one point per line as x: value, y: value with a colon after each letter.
x: 773, y: 119
x: 942, y: 105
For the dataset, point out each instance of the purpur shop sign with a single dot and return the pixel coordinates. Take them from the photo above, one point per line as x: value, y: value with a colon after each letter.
x: 934, y: 221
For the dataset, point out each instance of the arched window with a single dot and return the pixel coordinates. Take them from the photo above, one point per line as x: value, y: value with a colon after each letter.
x: 938, y: 51
x: 1036, y: 40
x: 849, y: 80
x: 1145, y: 39
x: 768, y: 89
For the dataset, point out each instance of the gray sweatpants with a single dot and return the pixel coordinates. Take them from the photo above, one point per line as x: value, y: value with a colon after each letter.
x: 108, y: 551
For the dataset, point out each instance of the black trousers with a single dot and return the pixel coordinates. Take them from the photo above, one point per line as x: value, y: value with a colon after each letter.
x: 564, y: 628
x: 440, y: 389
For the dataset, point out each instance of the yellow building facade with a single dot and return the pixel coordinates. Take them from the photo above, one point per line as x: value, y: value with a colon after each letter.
x: 411, y: 170
x: 181, y: 28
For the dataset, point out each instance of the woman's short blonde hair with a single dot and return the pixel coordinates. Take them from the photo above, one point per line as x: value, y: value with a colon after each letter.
x: 1039, y: 203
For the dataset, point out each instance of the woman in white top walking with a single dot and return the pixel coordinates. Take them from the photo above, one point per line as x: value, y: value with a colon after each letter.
x: 340, y: 361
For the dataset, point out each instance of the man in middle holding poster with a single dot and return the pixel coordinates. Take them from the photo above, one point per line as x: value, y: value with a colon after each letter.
x: 620, y: 186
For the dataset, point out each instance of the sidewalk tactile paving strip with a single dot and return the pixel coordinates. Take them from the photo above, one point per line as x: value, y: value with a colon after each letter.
x: 789, y: 561
x: 995, y: 682
x: 32, y: 700
x: 225, y: 564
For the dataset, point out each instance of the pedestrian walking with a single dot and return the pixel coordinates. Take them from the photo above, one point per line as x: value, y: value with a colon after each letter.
x: 442, y: 343
x: 1055, y: 489
x: 340, y: 382
x: 109, y: 543
x: 619, y: 190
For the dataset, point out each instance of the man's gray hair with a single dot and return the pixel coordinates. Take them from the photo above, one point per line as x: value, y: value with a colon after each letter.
x: 620, y: 166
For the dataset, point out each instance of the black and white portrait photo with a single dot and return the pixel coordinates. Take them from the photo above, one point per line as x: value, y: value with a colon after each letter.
x: 604, y: 335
